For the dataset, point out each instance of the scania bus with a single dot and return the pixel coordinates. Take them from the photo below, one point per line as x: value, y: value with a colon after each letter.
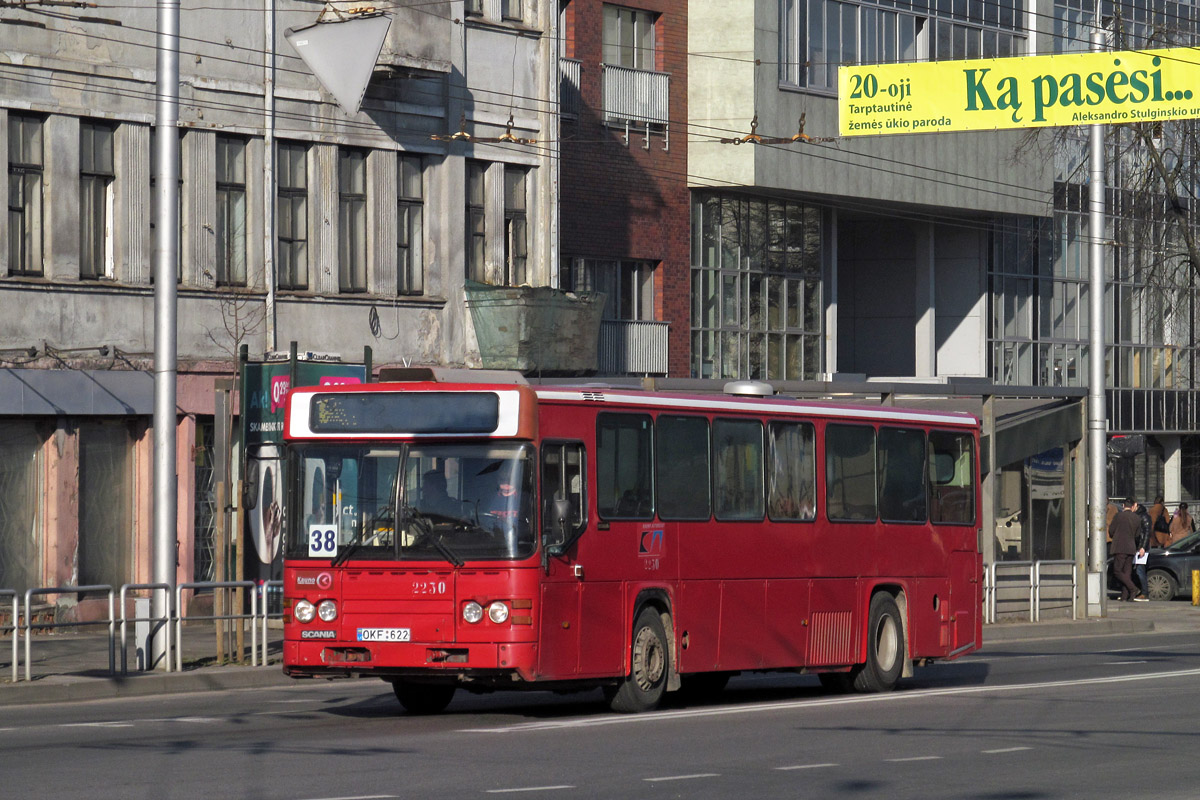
x: 493, y: 536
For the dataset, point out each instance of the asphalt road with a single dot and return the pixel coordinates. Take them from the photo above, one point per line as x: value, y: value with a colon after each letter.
x: 1098, y: 717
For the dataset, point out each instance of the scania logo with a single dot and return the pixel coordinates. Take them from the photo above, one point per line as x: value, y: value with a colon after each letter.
x: 318, y: 634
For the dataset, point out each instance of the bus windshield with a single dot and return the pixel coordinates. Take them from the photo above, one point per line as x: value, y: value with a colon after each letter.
x: 453, y: 503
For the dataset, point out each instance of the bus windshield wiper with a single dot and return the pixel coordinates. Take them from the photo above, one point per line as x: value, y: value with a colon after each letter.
x: 425, y: 531
x: 350, y: 550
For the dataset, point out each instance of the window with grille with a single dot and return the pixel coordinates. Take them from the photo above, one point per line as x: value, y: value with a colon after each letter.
x: 96, y: 177
x: 231, y: 211
x: 26, y: 165
x: 818, y: 36
x: 476, y: 222
x: 352, y: 220
x: 628, y: 37
x: 410, y: 265
x: 291, y: 219
x: 516, y: 227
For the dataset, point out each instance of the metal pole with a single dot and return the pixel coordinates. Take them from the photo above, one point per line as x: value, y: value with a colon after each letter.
x: 166, y: 245
x: 269, y: 170
x: 1097, y: 414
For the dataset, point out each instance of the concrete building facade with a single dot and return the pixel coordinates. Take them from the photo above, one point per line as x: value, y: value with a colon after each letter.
x: 298, y: 222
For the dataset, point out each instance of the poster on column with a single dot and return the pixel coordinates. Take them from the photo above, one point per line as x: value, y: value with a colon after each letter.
x: 266, y: 386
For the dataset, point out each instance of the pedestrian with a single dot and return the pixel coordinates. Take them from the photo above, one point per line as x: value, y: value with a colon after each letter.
x: 1145, y: 531
x: 1182, y: 523
x: 1124, y: 534
x: 1160, y: 524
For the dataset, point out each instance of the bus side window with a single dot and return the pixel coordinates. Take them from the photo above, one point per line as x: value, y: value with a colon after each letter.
x: 624, y: 466
x: 850, y: 473
x: 951, y: 478
x: 738, y: 491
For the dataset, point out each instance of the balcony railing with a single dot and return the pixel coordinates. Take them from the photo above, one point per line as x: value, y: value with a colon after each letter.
x: 635, y: 95
x: 568, y: 87
x: 631, y: 347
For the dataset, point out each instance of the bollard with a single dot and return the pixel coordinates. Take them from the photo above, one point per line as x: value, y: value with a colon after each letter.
x: 1196, y: 587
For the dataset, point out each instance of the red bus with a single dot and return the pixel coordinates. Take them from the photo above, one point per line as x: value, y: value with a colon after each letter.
x: 486, y: 536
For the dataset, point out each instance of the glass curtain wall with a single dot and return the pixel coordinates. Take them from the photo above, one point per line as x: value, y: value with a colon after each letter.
x: 756, y: 288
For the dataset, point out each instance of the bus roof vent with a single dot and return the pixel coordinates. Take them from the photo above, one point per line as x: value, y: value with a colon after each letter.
x: 750, y: 388
x: 593, y: 395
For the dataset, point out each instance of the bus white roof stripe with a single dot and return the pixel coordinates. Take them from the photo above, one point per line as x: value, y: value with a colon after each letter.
x: 758, y: 406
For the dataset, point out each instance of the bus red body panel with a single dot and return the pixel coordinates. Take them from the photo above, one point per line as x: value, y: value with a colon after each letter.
x: 507, y: 535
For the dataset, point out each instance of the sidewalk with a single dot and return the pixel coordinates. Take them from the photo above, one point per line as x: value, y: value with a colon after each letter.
x: 69, y: 667
x: 75, y: 666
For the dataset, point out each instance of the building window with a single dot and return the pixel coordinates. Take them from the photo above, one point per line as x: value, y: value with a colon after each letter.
x: 20, y: 506
x: 756, y: 288
x: 628, y: 37
x: 106, y: 470
x: 476, y: 222
x: 291, y: 218
x: 473, y: 8
x: 25, y: 168
x: 352, y: 220
x: 516, y: 227
x: 231, y: 211
x: 511, y: 9
x: 628, y: 286
x: 96, y: 178
x: 410, y: 226
x: 818, y: 36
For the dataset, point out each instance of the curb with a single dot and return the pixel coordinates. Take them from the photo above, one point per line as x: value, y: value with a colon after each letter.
x: 69, y: 688
x: 1021, y: 631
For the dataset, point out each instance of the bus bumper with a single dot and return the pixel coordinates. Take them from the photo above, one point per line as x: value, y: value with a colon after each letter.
x: 303, y: 659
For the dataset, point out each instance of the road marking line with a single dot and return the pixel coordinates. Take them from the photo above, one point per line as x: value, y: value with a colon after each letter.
x: 914, y: 758
x: 1124, y: 663
x: 530, y: 789
x: 891, y: 697
x: 682, y: 777
x: 1006, y: 750
x: 96, y: 725
x: 807, y: 766
x: 360, y: 797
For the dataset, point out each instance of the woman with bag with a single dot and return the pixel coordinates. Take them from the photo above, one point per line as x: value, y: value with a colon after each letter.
x: 1160, y: 523
x: 1182, y: 524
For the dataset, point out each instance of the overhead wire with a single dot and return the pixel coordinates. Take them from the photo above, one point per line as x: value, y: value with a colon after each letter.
x: 844, y: 156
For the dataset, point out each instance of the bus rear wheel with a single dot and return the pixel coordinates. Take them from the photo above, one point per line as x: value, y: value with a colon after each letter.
x: 650, y: 661
x: 423, y: 698
x: 885, y: 647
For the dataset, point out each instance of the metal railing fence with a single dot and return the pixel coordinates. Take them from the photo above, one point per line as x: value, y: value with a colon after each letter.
x: 253, y: 617
x: 28, y: 626
x: 166, y: 627
x: 1024, y: 587
x: 13, y: 626
x: 264, y: 588
x: 22, y: 624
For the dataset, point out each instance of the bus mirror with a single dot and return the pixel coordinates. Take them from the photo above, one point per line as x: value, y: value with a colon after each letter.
x: 560, y: 523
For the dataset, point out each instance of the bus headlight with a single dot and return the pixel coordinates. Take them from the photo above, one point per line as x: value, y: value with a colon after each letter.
x: 498, y: 612
x: 304, y: 611
x: 472, y: 612
x: 327, y: 610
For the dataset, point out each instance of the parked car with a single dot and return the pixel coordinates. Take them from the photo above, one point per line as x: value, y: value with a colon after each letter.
x: 1169, y: 569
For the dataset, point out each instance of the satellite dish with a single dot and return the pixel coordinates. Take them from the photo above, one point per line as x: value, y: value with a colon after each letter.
x: 342, y: 54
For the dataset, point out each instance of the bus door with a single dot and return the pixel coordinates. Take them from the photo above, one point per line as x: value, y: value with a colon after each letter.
x: 965, y: 570
x: 563, y: 518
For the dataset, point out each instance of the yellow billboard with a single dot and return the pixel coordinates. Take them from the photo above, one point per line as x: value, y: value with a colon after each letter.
x: 1031, y: 92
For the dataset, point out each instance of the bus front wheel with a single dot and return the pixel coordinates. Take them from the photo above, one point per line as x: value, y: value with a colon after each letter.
x: 643, y: 688
x: 885, y: 647
x: 423, y: 698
